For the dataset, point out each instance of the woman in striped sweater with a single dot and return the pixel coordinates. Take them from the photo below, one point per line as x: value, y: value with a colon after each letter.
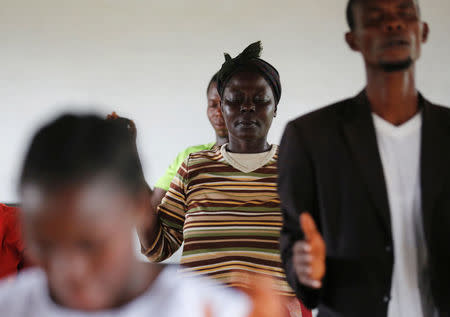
x: 223, y: 203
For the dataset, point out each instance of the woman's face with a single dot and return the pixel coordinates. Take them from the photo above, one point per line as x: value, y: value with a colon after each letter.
x: 248, y: 106
x: 81, y: 235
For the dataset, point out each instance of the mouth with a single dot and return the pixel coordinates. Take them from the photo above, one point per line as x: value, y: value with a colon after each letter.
x: 247, y: 123
x: 396, y: 42
x: 219, y: 124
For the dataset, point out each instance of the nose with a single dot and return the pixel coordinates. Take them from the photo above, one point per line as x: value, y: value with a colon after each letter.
x: 248, y: 107
x: 218, y: 112
x: 393, y: 24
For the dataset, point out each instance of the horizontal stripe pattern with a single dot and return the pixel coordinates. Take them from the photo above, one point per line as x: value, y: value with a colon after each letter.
x: 230, y: 221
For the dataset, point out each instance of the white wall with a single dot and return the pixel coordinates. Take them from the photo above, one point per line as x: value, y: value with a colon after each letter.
x: 151, y: 61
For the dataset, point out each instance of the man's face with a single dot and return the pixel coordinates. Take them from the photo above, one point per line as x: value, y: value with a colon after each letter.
x: 214, y: 113
x: 388, y: 33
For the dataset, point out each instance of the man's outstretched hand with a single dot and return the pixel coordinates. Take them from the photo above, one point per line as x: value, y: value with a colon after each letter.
x: 309, y: 254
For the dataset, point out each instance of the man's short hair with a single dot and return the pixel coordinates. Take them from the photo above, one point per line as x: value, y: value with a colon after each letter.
x: 351, y: 18
x: 349, y: 14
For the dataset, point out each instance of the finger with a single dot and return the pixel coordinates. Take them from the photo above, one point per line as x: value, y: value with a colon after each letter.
x: 305, y: 259
x: 308, y: 226
x: 310, y: 282
x: 132, y: 124
x: 112, y: 115
x: 304, y: 270
x: 132, y: 127
x: 301, y: 247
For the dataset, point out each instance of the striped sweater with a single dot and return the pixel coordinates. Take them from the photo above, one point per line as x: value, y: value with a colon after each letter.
x: 230, y: 221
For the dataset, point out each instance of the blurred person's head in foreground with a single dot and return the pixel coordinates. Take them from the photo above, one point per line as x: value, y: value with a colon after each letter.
x: 82, y: 192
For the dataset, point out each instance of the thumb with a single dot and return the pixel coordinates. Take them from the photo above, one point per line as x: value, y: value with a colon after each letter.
x: 308, y: 226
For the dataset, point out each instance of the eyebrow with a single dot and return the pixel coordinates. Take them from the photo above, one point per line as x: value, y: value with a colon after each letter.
x: 234, y: 88
x: 406, y: 4
x: 237, y: 88
x: 373, y: 7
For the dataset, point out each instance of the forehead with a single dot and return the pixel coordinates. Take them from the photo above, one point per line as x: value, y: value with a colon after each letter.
x: 77, y: 201
x: 247, y: 80
x: 212, y: 90
x: 383, y: 4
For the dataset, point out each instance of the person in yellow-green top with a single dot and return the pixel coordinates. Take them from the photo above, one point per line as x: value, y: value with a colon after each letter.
x: 218, y: 124
x: 164, y: 181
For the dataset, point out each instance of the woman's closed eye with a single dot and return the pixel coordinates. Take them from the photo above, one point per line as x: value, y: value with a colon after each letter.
x: 262, y: 99
x: 234, y: 99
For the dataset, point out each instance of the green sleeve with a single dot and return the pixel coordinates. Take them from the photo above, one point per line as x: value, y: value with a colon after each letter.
x: 165, y: 180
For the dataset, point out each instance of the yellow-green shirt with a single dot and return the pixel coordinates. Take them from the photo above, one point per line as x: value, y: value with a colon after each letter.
x: 165, y: 180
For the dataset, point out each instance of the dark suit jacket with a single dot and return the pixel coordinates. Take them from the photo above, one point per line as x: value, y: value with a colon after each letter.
x: 329, y: 165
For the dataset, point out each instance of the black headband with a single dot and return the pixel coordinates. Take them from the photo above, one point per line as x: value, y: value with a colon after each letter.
x: 249, y: 60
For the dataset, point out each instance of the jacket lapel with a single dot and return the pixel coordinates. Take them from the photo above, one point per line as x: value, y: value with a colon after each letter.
x: 359, y: 132
x: 435, y: 157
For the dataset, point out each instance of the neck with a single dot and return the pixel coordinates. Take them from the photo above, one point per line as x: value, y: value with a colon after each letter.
x: 221, y: 140
x: 393, y: 96
x: 248, y: 146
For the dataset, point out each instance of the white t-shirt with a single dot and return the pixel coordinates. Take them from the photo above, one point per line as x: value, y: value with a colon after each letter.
x: 171, y: 295
x: 399, y: 148
x: 248, y: 162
